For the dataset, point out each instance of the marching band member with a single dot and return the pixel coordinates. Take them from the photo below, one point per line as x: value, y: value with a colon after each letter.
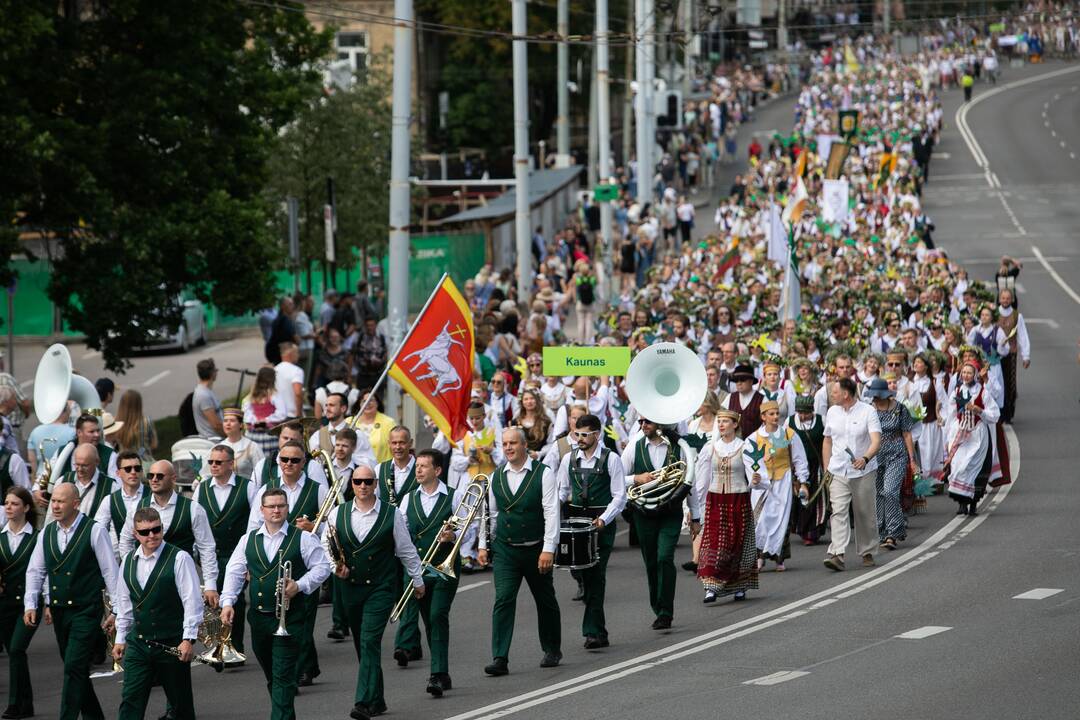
x: 305, y: 496
x: 112, y: 515
x: 590, y: 480
x: 14, y: 472
x: 92, y: 486
x: 268, y: 469
x: 72, y: 562
x: 372, y: 537
x: 524, y: 512
x: 157, y: 604
x: 227, y: 500
x: 658, y: 530
x: 17, y: 541
x: 263, y: 553
x: 425, y: 510
x: 784, y: 459
x: 246, y: 452
x: 727, y: 560
x: 344, y: 464
x: 88, y: 432
x: 397, y: 476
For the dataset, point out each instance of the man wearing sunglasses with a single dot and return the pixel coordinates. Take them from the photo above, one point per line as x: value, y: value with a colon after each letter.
x: 524, y: 509
x: 261, y: 553
x: 590, y: 480
x: 79, y: 564
x: 157, y: 599
x: 185, y: 522
x: 268, y: 468
x: 373, y: 538
x: 113, y: 514
x: 227, y: 499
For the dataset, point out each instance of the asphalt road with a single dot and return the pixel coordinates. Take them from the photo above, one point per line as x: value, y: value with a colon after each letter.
x: 811, y: 643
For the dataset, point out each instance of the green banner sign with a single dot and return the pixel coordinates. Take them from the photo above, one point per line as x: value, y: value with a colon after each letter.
x: 586, y: 360
x: 606, y: 193
x: 997, y: 27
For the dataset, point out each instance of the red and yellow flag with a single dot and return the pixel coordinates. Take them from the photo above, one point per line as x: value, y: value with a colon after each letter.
x: 435, y: 362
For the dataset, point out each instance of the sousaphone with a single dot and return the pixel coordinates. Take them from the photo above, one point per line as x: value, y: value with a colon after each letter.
x: 54, y: 384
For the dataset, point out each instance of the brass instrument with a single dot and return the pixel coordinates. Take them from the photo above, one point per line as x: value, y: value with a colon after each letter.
x: 473, y: 499
x: 281, y: 600
x: 217, y: 665
x: 110, y: 636
x: 669, y: 484
x: 331, y: 499
x: 44, y: 466
x: 217, y: 637
x: 333, y: 544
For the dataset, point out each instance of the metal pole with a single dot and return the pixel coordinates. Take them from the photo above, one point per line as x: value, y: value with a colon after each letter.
x: 688, y: 53
x: 521, y: 149
x: 398, y: 276
x: 591, y: 176
x: 603, y: 120
x: 781, y: 26
x: 562, y: 121
x: 628, y: 99
x: 887, y: 16
x: 650, y: 94
x: 642, y: 123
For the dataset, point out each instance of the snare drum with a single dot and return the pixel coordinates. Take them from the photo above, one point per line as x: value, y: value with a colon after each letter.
x: 579, y: 546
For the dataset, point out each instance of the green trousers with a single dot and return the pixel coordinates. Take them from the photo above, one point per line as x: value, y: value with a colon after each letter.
x: 594, y: 580
x: 146, y: 666
x: 239, y: 606
x: 434, y: 608
x: 15, y: 638
x: 337, y: 617
x: 77, y: 629
x: 512, y: 564
x: 308, y: 661
x: 658, y: 536
x: 277, y: 657
x: 367, y: 610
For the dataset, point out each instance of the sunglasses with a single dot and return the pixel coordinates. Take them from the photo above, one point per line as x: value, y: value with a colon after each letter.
x: 216, y: 462
x: 363, y: 481
x: 584, y: 434
x: 290, y: 460
x: 146, y: 532
x: 132, y: 468
x: 155, y: 476
x: 276, y: 506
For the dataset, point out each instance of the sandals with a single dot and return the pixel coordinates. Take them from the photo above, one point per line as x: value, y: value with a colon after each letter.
x: 889, y: 543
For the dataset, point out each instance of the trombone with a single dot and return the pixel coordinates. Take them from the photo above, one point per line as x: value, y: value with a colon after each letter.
x: 472, y: 501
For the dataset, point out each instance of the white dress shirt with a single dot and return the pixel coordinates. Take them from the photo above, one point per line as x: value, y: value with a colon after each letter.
x: 658, y: 451
x: 223, y: 490
x: 200, y: 528
x: 401, y: 474
x: 428, y: 501
x: 362, y: 521
x: 293, y: 493
x: 104, y: 512
x: 36, y: 571
x: 187, y: 586
x: 550, y: 501
x: 111, y: 472
x: 615, y: 472
x: 87, y: 492
x: 850, y: 430
x: 315, y: 559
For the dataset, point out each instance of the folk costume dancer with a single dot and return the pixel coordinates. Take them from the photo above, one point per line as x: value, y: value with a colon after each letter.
x: 991, y: 339
x: 479, y: 453
x: 371, y: 536
x: 227, y: 499
x: 268, y: 469
x: 727, y: 560
x: 305, y: 496
x: 658, y: 530
x: 262, y: 554
x: 158, y: 605
x: 72, y: 562
x: 931, y: 443
x: 524, y: 513
x: 782, y: 464
x: 746, y: 401
x: 1012, y: 324
x: 810, y: 516
x: 591, y: 485
x: 113, y: 514
x: 246, y: 452
x: 425, y: 510
x: 969, y: 437
x: 17, y: 541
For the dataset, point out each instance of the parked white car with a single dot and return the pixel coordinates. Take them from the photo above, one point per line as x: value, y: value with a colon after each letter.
x: 192, y: 330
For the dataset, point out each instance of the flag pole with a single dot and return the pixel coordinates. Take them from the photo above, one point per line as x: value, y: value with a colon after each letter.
x: 397, y: 351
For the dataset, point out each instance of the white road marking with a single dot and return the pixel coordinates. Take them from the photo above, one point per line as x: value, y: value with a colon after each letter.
x: 160, y: 376
x: 823, y: 603
x: 943, y: 156
x: 1038, y: 594
x: 1054, y: 274
x: 1053, y: 133
x: 777, y: 677
x: 961, y: 176
x: 91, y: 355
x: 997, y: 182
x: 1012, y: 216
x: 25, y: 384
x: 923, y: 632
x: 473, y: 586
x: 1062, y: 143
x: 1043, y: 321
x: 997, y: 260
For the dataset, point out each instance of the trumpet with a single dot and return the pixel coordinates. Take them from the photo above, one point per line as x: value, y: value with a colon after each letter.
x: 281, y: 600
x: 336, y: 482
x: 464, y: 514
x: 217, y: 665
x: 217, y: 637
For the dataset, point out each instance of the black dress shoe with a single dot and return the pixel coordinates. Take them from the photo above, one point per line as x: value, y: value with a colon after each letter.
x: 360, y: 712
x: 435, y: 686
x: 551, y: 660
x: 306, y: 680
x: 595, y: 643
x: 336, y: 633
x: 167, y: 716
x: 13, y: 712
x: 580, y: 594
x: 662, y: 623
x: 499, y: 666
x: 417, y: 654
x: 446, y: 682
x: 690, y: 565
x: 402, y: 657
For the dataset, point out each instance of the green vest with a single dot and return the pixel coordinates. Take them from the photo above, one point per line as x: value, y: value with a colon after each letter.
x: 371, y: 561
x: 228, y: 523
x: 387, y: 493
x: 13, y: 568
x: 264, y: 573
x: 101, y: 491
x: 590, y: 487
x: 157, y: 608
x: 424, y: 529
x: 521, y: 515
x: 75, y: 580
x: 118, y: 509
x: 308, y: 502
x: 104, y: 455
x: 643, y: 461
x: 180, y: 532
x: 270, y: 469
x: 5, y: 472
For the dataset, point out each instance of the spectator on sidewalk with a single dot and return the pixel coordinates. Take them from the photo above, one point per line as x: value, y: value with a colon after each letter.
x: 205, y: 405
x: 281, y: 330
x: 289, y: 380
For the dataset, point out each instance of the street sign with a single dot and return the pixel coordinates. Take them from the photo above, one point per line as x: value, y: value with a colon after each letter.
x: 758, y: 44
x: 606, y: 193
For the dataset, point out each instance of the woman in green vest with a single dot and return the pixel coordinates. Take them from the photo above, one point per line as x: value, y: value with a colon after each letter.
x: 16, y: 543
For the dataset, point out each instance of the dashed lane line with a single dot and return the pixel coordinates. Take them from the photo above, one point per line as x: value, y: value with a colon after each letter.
x: 1054, y: 274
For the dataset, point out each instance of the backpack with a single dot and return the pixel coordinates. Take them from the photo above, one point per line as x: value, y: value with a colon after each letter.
x: 586, y: 294
x: 186, y: 415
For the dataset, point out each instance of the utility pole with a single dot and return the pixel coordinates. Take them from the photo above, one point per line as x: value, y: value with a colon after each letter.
x: 521, y: 150
x: 562, y: 121
x: 591, y: 176
x: 628, y: 98
x: 688, y: 52
x: 781, y: 26
x: 649, y: 19
x: 398, y: 277
x: 644, y: 174
x: 603, y: 113
x: 886, y: 19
